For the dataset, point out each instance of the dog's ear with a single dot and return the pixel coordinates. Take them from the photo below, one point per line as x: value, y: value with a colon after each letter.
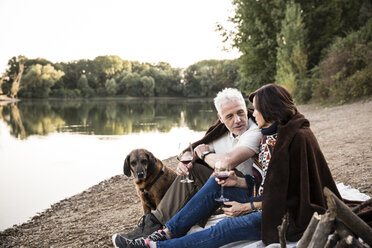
x: 152, y: 161
x: 126, y: 167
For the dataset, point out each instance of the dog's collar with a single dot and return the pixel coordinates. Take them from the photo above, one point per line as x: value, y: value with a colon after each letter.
x: 148, y: 186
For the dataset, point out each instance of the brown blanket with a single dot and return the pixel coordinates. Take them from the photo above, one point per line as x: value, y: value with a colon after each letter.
x: 294, y: 183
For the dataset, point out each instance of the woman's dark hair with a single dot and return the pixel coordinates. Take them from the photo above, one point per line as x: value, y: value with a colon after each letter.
x: 274, y: 102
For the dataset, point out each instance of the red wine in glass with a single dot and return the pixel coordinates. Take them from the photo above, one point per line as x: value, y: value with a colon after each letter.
x: 186, y: 160
x: 222, y: 174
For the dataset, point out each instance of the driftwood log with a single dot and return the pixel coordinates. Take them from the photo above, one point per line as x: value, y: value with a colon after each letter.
x: 363, y: 205
x: 332, y: 241
x: 346, y: 216
x: 346, y: 226
x: 308, y: 234
x: 345, y: 234
x: 282, y: 230
x: 322, y: 230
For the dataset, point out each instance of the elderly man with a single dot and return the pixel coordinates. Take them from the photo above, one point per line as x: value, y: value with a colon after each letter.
x: 233, y: 140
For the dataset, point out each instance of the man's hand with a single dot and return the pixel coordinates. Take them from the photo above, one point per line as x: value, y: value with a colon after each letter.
x: 200, y: 149
x: 183, y: 169
x: 236, y: 209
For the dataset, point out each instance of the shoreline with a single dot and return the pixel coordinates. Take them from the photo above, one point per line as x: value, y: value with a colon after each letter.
x: 88, y: 219
x: 4, y: 100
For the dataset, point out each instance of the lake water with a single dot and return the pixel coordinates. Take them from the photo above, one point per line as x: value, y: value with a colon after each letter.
x: 50, y: 150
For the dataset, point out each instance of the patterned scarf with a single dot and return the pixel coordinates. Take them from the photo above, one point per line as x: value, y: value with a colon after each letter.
x: 268, y: 142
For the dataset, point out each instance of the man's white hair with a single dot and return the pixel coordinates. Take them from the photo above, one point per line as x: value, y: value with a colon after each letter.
x: 228, y: 94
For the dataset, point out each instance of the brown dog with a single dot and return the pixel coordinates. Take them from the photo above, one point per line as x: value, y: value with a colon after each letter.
x: 151, y: 176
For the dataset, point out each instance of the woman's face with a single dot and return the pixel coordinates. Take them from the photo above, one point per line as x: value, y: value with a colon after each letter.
x: 261, y: 123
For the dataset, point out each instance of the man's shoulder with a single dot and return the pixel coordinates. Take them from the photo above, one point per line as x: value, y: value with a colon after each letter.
x: 252, y: 127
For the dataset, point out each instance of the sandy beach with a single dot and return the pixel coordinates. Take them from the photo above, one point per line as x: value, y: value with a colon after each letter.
x: 90, y: 218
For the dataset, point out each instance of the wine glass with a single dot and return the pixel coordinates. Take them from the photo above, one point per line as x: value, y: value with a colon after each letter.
x: 221, y: 173
x: 185, y: 159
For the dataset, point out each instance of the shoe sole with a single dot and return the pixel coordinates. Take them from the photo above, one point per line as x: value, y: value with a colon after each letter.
x: 113, y: 240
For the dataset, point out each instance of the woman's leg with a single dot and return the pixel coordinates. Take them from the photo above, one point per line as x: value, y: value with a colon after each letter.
x: 247, y: 227
x: 201, y: 205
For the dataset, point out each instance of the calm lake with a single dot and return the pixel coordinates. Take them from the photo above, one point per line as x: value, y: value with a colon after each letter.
x: 50, y: 150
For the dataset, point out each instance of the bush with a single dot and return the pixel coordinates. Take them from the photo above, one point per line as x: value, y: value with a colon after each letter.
x: 66, y: 93
x: 345, y: 71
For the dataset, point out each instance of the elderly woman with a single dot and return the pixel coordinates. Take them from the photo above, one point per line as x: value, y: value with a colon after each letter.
x: 293, y: 175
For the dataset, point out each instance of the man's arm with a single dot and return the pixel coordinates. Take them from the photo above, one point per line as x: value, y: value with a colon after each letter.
x: 232, y: 159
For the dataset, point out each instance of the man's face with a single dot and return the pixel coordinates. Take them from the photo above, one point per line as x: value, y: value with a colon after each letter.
x: 234, y: 116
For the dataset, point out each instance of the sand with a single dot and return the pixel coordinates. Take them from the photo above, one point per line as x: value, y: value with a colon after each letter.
x: 90, y: 218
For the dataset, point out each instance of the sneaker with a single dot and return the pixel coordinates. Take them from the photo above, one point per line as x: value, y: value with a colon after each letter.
x: 121, y: 242
x: 158, y: 235
x: 148, y: 225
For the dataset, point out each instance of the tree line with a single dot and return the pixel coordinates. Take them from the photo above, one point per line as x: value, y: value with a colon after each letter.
x: 318, y: 50
x: 112, y: 76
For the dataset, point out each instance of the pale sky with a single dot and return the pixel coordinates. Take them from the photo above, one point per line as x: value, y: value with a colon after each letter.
x: 180, y: 32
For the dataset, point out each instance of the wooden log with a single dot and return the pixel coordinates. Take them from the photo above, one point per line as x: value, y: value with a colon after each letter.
x: 342, y: 230
x: 323, y: 229
x: 350, y: 219
x: 342, y: 244
x: 308, y: 234
x: 282, y: 230
x: 347, y: 235
x: 353, y: 242
x: 362, y: 205
x: 332, y: 241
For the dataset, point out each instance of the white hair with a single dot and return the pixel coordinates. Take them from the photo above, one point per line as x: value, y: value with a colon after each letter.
x: 228, y: 94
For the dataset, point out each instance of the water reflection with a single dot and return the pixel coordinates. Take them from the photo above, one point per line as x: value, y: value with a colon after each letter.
x: 50, y: 150
x: 106, y: 117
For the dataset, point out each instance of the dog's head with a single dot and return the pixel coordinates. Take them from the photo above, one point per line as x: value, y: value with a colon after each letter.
x: 141, y: 163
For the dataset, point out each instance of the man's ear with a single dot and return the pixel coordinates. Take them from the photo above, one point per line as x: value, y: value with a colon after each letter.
x: 220, y: 118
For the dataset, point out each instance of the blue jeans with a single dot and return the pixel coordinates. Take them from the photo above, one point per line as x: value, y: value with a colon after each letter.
x: 247, y: 227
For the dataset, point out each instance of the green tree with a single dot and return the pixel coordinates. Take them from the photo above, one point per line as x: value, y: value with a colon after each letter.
x: 207, y: 77
x: 106, y: 67
x: 38, y: 80
x: 84, y: 87
x: 325, y: 20
x: 133, y: 84
x: 148, y: 85
x: 291, y: 61
x: 110, y: 87
x: 257, y: 24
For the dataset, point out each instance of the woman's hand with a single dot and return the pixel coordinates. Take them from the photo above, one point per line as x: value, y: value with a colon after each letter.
x: 236, y: 209
x: 232, y: 181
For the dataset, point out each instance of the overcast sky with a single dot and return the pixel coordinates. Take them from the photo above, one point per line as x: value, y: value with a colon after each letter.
x: 180, y: 32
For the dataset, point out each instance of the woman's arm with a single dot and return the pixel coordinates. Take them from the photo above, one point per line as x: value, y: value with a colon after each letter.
x: 239, y: 209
